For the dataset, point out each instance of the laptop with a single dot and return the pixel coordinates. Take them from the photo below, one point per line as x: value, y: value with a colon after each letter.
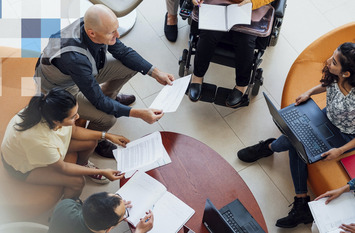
x: 232, y: 218
x: 308, y: 129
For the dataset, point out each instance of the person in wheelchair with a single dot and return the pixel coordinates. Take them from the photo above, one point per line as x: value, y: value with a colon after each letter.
x: 244, y: 45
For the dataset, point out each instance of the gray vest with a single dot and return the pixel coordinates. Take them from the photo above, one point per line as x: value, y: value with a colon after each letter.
x: 70, y: 41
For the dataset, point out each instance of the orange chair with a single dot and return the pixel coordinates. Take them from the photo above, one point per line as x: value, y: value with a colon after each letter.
x: 19, y: 200
x: 304, y: 74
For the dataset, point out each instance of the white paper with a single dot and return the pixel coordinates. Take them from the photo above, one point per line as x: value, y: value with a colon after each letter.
x: 223, y: 18
x: 139, y: 153
x: 146, y: 193
x: 169, y: 98
x: 339, y: 211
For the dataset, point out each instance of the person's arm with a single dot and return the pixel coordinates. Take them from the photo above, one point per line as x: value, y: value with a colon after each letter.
x: 134, y: 61
x: 148, y: 115
x: 146, y: 223
x: 313, y: 91
x: 331, y: 195
x: 256, y: 3
x: 77, y: 170
x: 80, y: 133
x: 79, y: 68
x: 336, y: 152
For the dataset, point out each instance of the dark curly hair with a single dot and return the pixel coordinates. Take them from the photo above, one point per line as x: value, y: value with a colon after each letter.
x: 347, y: 62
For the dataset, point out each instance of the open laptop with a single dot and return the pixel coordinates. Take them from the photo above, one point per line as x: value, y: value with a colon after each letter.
x: 232, y: 218
x: 308, y: 129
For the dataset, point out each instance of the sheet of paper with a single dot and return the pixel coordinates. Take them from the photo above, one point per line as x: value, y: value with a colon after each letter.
x: 170, y: 214
x: 329, y: 217
x: 238, y: 14
x: 143, y: 191
x: 212, y: 17
x: 169, y: 98
x: 139, y: 153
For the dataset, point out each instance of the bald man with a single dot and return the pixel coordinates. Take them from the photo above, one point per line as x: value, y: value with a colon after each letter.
x: 76, y: 59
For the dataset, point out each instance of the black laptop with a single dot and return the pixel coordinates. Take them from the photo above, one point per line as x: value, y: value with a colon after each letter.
x: 232, y: 218
x: 308, y: 129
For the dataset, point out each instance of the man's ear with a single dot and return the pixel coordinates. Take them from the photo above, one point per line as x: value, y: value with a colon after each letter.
x: 91, y: 33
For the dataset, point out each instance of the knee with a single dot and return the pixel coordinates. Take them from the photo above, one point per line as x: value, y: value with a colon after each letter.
x: 78, y: 183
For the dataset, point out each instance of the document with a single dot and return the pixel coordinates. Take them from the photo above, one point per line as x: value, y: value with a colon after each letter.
x: 329, y: 217
x: 143, y: 154
x: 169, y: 98
x: 146, y: 193
x: 223, y: 18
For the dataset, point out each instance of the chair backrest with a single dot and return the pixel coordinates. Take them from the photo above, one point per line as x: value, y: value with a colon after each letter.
x: 119, y: 7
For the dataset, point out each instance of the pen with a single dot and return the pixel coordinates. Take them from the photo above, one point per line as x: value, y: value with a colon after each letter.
x: 149, y: 218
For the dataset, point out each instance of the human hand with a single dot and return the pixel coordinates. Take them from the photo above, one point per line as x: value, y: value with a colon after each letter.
x: 332, y: 154
x: 148, y: 115
x: 146, y: 223
x: 302, y: 98
x: 162, y: 77
x: 348, y: 228
x: 331, y: 195
x: 197, y: 2
x: 127, y: 204
x: 112, y: 175
x: 118, y: 139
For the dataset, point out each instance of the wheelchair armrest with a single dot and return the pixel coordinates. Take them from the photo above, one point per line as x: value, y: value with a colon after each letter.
x: 279, y: 6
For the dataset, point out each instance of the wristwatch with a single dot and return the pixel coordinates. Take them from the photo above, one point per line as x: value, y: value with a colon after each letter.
x: 103, y: 135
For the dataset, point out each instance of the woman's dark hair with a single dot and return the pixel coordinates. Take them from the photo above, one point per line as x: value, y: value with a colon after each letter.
x: 54, y: 106
x: 99, y: 211
x: 347, y: 62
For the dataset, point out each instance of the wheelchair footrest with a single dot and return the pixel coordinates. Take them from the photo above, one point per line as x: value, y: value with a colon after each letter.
x: 208, y: 92
x: 222, y: 95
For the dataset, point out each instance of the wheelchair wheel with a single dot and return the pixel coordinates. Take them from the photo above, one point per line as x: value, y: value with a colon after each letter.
x: 182, y: 63
x: 258, y: 81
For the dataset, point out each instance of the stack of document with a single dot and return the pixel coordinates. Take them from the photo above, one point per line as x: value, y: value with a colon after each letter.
x: 143, y: 154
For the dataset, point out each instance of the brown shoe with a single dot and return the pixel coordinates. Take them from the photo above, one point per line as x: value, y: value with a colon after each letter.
x: 105, y: 148
x: 125, y: 99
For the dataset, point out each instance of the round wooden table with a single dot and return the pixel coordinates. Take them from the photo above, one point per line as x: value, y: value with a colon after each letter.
x: 196, y: 173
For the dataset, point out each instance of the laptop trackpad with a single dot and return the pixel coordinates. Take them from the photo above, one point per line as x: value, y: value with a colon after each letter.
x: 325, y: 131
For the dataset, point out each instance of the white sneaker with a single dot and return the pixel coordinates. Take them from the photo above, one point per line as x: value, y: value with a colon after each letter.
x: 100, y: 179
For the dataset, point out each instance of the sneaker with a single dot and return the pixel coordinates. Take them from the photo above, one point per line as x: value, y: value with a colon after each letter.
x: 105, y: 148
x: 252, y: 153
x: 100, y: 179
x: 300, y: 213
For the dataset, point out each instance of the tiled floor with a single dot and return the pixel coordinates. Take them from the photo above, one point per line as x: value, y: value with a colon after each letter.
x: 223, y: 129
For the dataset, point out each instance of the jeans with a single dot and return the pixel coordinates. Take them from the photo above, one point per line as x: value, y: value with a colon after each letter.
x: 298, y: 168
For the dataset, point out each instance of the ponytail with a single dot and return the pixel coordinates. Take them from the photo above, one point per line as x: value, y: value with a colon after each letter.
x: 54, y: 106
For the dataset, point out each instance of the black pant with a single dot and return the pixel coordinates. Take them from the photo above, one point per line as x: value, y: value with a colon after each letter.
x: 243, y: 44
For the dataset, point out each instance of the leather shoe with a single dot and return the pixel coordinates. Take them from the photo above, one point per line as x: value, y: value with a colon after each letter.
x: 105, y: 148
x: 125, y: 99
x: 234, y: 98
x: 170, y: 31
x: 195, y: 91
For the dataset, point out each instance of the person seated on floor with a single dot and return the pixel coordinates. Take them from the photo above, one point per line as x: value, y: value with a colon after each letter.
x: 75, y: 59
x: 43, y: 136
x: 244, y: 45
x: 333, y: 194
x: 338, y: 81
x: 100, y: 213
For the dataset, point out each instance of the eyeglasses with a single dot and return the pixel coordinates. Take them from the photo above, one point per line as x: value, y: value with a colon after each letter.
x: 126, y: 214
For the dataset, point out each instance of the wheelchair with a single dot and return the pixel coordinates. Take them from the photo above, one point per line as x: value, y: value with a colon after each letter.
x: 224, y: 54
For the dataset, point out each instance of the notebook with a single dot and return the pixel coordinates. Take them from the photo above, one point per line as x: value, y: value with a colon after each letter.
x: 232, y: 218
x: 349, y: 165
x: 308, y: 129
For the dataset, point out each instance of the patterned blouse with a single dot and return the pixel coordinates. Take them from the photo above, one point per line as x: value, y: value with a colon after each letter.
x: 341, y: 108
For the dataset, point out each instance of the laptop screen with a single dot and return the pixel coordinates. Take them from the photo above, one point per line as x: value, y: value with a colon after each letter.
x: 214, y: 221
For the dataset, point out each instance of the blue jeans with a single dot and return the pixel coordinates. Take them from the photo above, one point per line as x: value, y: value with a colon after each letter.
x: 298, y: 168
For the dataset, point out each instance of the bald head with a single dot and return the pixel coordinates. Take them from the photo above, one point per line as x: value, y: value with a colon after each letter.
x: 101, y: 25
x: 98, y: 16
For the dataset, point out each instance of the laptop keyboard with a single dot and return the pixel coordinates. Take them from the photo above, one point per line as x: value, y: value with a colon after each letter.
x: 228, y: 216
x: 300, y: 124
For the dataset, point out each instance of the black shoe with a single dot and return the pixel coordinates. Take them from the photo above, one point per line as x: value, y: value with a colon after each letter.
x: 300, y: 213
x: 105, y: 148
x: 125, y: 99
x: 252, y: 153
x: 170, y: 31
x: 195, y: 90
x: 234, y: 98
